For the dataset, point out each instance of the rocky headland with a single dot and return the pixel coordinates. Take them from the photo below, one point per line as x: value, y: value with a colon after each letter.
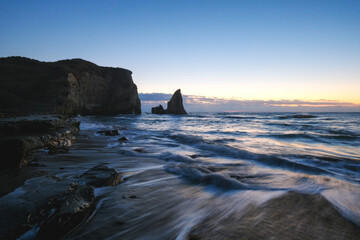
x: 38, y: 102
x: 174, y: 106
x: 68, y: 87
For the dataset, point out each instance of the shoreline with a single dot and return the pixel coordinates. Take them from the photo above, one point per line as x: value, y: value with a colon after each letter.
x: 154, y: 203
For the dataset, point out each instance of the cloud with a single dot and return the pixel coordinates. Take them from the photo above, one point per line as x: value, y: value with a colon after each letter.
x: 195, y: 103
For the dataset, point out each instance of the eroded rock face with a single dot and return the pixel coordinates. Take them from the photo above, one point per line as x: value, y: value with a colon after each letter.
x: 20, y: 136
x: 174, y: 106
x: 68, y: 87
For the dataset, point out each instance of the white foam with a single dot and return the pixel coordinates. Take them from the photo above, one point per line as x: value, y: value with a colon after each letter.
x: 91, y: 126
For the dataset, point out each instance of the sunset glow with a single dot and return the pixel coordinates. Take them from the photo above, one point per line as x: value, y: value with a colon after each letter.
x: 247, y: 50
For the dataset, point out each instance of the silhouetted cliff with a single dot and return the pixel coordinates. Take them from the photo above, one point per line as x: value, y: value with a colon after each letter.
x: 71, y: 86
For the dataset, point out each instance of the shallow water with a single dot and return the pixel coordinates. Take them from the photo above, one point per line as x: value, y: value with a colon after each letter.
x: 222, y: 176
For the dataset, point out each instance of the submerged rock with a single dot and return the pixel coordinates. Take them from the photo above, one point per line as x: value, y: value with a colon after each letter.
x: 123, y: 139
x: 174, y: 106
x: 101, y: 175
x: 69, y: 87
x: 70, y: 212
x: 109, y: 132
x: 139, y: 150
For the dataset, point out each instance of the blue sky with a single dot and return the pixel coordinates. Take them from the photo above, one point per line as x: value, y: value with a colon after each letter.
x: 243, y: 50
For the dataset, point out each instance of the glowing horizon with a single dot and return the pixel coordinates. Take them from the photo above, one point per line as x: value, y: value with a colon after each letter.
x: 351, y: 96
x: 195, y: 103
x: 246, y: 50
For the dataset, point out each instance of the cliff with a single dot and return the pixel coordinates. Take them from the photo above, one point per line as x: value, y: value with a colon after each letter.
x: 71, y: 86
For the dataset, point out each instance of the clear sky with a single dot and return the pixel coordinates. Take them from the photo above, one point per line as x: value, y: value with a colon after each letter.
x: 247, y: 50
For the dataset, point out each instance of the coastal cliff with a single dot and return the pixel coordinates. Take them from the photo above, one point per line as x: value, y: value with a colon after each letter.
x: 71, y: 86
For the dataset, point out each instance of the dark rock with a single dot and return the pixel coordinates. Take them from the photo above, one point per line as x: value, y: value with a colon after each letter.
x: 123, y: 139
x: 133, y: 196
x: 304, y: 116
x: 66, y: 87
x: 20, y: 136
x: 16, y: 151
x: 139, y: 150
x: 174, y: 106
x: 109, y: 132
x: 70, y: 212
x: 120, y: 222
x: 38, y: 197
x: 158, y: 110
x: 101, y: 175
x: 58, y: 150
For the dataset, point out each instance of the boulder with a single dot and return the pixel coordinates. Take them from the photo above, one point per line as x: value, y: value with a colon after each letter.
x: 123, y: 139
x: 158, y: 110
x: 70, y: 212
x: 67, y: 87
x: 101, y: 175
x: 174, y: 106
x: 54, y: 205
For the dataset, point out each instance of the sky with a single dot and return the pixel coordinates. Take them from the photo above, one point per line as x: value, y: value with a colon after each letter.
x: 253, y: 51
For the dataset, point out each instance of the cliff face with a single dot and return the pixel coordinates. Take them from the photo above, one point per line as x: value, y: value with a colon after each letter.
x: 68, y: 86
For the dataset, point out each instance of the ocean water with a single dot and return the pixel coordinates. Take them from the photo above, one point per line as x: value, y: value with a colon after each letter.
x: 319, y: 144
x: 222, y: 176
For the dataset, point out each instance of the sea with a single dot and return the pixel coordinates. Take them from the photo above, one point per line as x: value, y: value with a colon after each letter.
x: 221, y: 176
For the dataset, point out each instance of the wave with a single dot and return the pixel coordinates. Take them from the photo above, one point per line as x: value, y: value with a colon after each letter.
x: 92, y: 126
x: 168, y: 156
x: 341, y: 137
x: 301, y: 116
x: 288, y: 136
x: 239, y: 117
x: 225, y: 178
x: 281, y: 124
x: 343, y: 134
x: 312, y: 136
x: 218, y: 150
x: 202, y: 175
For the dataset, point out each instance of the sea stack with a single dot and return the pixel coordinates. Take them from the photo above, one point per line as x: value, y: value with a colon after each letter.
x: 174, y: 106
x: 66, y: 87
x: 158, y: 110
